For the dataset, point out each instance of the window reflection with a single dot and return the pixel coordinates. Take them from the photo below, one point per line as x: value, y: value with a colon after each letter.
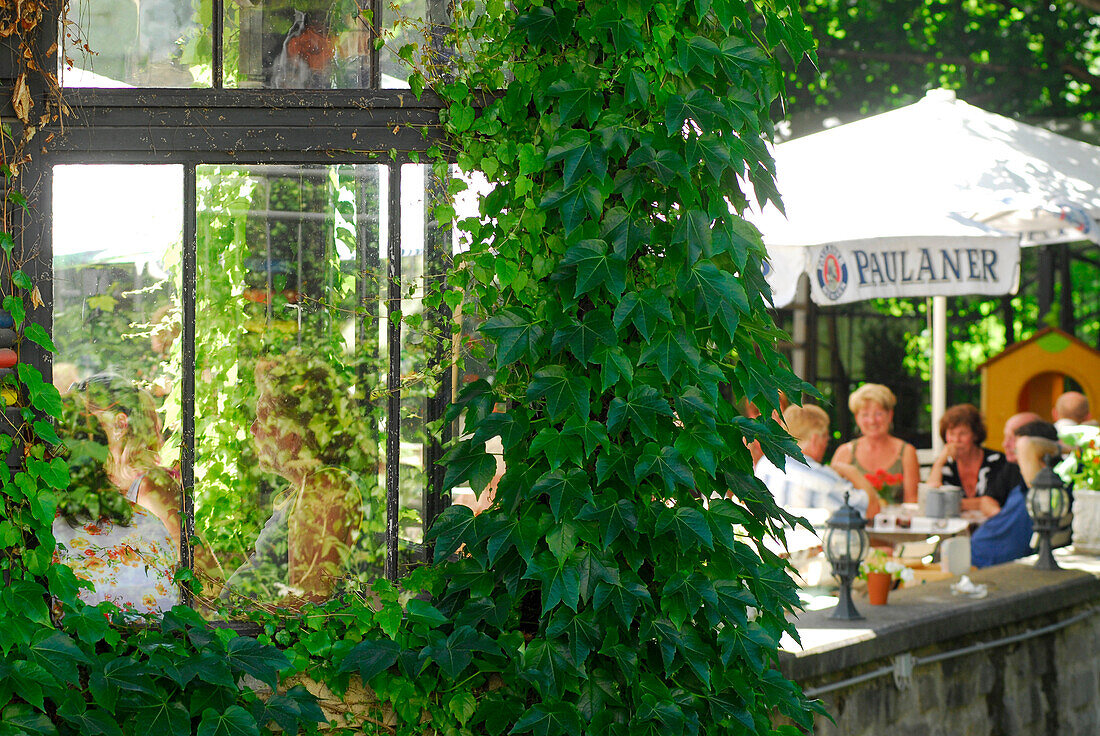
x: 291, y: 377
x: 302, y: 45
x: 116, y: 317
x: 292, y: 356
x: 142, y: 43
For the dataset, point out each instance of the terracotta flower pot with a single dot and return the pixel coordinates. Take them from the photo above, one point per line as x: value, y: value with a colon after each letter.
x: 878, y: 587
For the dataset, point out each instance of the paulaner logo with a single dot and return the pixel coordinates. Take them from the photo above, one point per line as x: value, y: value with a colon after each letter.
x: 832, y: 272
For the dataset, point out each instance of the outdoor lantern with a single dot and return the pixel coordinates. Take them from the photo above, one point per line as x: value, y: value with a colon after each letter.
x: 1048, y: 503
x: 845, y: 546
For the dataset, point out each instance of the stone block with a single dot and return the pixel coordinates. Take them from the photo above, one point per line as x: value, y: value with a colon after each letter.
x: 1081, y: 688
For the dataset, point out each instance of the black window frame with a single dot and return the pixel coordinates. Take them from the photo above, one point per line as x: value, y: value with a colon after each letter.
x: 200, y: 126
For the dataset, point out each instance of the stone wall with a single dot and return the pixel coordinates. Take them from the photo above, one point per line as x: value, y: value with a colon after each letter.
x: 1044, y: 684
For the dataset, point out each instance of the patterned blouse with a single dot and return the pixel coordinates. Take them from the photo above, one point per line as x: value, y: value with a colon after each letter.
x: 130, y: 566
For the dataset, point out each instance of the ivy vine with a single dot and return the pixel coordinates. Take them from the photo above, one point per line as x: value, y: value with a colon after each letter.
x: 618, y: 584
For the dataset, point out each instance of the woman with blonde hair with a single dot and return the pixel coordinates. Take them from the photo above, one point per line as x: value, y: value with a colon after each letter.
x: 889, y: 463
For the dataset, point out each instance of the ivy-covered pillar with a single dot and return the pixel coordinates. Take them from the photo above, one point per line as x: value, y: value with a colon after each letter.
x: 619, y: 583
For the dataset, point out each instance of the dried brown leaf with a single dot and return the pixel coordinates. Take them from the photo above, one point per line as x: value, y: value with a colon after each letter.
x: 21, y: 99
x: 36, y: 298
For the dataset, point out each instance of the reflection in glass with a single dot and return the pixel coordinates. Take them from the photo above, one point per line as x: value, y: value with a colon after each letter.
x: 308, y: 44
x: 137, y: 43
x: 291, y: 362
x: 116, y: 319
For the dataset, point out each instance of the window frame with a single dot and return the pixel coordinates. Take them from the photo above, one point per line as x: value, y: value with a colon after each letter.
x: 199, y: 126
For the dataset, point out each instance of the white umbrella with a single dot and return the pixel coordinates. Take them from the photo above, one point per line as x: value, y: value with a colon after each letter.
x: 932, y: 199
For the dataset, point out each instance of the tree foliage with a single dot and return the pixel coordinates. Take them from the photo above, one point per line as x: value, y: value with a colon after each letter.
x: 1016, y: 58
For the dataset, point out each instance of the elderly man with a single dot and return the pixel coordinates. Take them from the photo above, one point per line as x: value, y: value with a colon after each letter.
x: 813, y: 485
x: 1070, y: 410
x: 1001, y: 483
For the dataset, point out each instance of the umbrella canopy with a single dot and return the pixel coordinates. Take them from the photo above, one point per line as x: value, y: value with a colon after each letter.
x: 931, y: 199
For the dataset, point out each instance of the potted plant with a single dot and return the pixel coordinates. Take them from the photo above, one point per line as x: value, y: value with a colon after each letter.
x: 881, y: 572
x: 1080, y: 469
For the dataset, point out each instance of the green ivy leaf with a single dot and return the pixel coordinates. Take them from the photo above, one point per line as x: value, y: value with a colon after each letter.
x: 581, y: 155
x: 701, y: 107
x: 7, y: 243
x: 596, y: 267
x: 624, y: 598
x: 262, y: 661
x: 687, y: 524
x: 22, y: 280
x: 455, y: 653
x: 615, y: 366
x: 58, y: 653
x: 637, y: 412
x: 450, y: 529
x: 635, y: 87
x: 469, y: 462
x: 644, y: 310
x: 584, y: 338
x: 697, y: 52
x: 669, y: 350
x: 560, y: 584
x: 462, y: 705
x: 37, y: 334
x: 577, y: 202
x: 209, y: 667
x: 693, y: 228
x: 425, y: 613
x: 558, y: 447
x: 562, y: 391
x: 13, y: 305
x: 578, y: 98
x: 234, y: 721
x: 559, y: 484
x: 22, y: 719
x: 551, y: 719
x: 43, y: 396
x: 295, y: 708
x: 547, y: 665
x: 370, y: 658
x: 90, y: 722
x: 666, y: 464
x: 516, y: 333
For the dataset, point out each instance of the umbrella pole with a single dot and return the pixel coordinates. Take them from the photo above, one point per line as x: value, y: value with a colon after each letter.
x: 939, y: 367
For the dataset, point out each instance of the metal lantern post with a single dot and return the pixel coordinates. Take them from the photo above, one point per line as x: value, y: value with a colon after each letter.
x: 1047, y: 501
x: 845, y: 546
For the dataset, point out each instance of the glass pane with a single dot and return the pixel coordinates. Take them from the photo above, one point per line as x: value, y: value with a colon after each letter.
x: 116, y: 319
x: 148, y: 43
x: 291, y: 387
x: 311, y: 44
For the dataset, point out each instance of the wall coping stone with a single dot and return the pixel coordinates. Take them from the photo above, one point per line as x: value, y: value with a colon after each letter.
x: 929, y: 614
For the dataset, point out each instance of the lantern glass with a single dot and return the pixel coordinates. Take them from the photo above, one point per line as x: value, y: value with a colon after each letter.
x: 1041, y: 502
x: 843, y: 544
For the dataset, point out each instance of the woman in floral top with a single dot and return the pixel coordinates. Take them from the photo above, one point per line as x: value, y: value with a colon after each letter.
x: 130, y: 565
x: 122, y: 549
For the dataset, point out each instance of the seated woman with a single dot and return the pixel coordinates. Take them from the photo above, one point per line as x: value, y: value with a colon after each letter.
x: 128, y: 415
x: 122, y: 549
x: 1006, y: 536
x: 963, y: 462
x: 301, y: 434
x: 888, y: 462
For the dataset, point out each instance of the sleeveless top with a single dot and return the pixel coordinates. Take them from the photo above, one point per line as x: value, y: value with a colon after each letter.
x: 889, y: 481
x: 265, y: 576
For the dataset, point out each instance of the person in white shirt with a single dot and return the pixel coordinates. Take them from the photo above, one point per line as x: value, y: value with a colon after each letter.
x: 811, y: 484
